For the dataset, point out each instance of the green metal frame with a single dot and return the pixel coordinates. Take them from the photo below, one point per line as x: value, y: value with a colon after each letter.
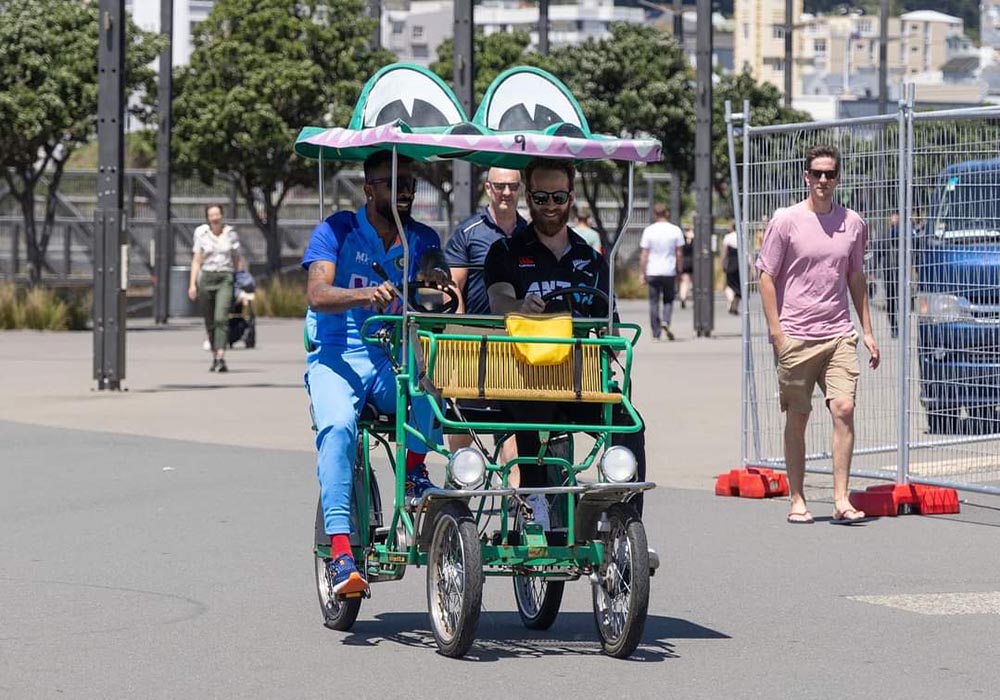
x: 500, y: 557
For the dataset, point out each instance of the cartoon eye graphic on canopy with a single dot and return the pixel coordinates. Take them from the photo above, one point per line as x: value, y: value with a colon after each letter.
x: 409, y: 93
x: 530, y: 99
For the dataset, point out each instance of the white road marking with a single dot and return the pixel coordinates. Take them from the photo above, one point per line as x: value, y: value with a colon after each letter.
x: 938, y: 603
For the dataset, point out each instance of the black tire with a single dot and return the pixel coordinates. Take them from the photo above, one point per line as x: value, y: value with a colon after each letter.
x: 454, y: 580
x: 624, y: 579
x: 338, y: 613
x: 538, y: 601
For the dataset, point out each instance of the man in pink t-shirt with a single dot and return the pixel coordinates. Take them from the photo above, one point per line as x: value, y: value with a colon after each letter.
x: 812, y: 256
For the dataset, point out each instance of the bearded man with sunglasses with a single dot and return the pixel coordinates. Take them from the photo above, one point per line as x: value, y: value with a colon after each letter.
x: 811, y: 258
x: 545, y: 257
x: 355, y: 265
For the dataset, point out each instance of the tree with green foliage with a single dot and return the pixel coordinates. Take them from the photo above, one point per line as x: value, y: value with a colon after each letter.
x: 766, y: 107
x: 635, y: 83
x: 48, y: 100
x: 261, y: 70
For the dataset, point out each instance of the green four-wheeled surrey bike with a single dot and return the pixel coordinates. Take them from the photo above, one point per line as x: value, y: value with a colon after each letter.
x: 479, y: 524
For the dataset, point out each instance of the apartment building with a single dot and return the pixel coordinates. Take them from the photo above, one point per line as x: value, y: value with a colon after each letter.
x: 759, y: 41
x: 839, y: 54
x: 414, y: 30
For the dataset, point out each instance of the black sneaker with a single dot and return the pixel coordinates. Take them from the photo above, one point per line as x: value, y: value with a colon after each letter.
x: 222, y: 366
x: 214, y: 367
x: 666, y: 329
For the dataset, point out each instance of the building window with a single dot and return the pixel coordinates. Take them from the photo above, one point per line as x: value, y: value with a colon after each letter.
x: 420, y: 51
x: 778, y: 31
x: 418, y: 31
x: 865, y: 26
x: 819, y: 46
x: 775, y: 64
x: 398, y: 27
x: 746, y: 30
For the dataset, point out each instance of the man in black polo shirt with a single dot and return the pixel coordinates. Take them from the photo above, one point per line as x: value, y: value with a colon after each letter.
x: 546, y: 256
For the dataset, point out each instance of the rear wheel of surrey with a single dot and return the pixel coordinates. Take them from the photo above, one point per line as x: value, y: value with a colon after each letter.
x: 621, y: 595
x: 338, y: 613
x: 454, y: 580
x: 537, y: 601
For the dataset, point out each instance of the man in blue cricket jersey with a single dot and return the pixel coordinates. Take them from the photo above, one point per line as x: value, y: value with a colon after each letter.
x: 343, y: 372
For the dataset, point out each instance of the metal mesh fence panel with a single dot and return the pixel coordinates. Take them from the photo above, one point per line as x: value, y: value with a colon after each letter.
x: 954, y: 282
x: 928, y: 186
x: 772, y: 168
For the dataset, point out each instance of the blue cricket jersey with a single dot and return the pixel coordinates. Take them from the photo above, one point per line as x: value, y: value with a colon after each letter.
x: 349, y: 241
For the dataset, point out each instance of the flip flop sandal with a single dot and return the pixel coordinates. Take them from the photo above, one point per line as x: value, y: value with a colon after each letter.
x: 802, y: 518
x: 844, y: 517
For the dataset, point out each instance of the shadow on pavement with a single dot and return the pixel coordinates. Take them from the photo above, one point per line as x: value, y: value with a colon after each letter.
x: 211, y: 387
x: 502, y: 636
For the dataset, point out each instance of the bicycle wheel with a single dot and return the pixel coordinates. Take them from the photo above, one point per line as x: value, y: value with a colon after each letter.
x: 454, y: 580
x: 338, y: 613
x: 621, y: 592
x: 537, y: 601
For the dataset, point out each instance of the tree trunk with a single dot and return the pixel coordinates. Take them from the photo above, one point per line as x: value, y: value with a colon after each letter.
x: 266, y: 224
x: 36, y: 254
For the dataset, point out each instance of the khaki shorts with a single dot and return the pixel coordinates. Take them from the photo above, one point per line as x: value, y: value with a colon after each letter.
x: 832, y: 363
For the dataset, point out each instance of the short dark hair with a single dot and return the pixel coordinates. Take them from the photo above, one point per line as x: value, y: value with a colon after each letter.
x: 376, y: 160
x: 563, y: 166
x: 823, y: 151
x: 214, y: 206
x: 660, y: 211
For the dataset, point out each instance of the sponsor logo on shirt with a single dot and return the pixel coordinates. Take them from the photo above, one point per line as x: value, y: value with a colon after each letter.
x: 525, y: 261
x: 357, y: 282
x: 361, y: 257
x: 580, y: 264
x: 398, y: 262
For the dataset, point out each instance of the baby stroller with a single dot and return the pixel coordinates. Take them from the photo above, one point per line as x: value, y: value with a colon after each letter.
x: 242, y: 320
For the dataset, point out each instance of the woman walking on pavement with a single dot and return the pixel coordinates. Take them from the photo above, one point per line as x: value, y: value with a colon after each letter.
x: 216, y: 258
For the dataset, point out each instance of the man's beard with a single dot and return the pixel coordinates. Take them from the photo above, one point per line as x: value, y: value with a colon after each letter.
x: 384, y: 210
x: 548, y: 227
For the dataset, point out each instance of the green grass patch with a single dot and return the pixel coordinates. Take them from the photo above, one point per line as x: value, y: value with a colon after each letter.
x: 43, y: 309
x: 283, y: 297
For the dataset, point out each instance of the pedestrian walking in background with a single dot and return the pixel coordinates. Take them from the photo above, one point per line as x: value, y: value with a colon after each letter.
x: 686, y: 279
x: 661, y: 245
x: 216, y: 259
x: 583, y: 228
x: 811, y: 258
x: 731, y: 268
x: 887, y: 262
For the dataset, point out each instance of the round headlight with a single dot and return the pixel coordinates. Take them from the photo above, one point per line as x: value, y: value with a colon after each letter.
x: 466, y: 467
x: 618, y: 464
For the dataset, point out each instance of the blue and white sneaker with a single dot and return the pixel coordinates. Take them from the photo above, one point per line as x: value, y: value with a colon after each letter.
x: 417, y: 481
x: 345, y: 577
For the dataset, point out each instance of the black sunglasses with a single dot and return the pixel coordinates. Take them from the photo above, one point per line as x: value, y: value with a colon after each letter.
x: 501, y: 186
x: 541, y: 197
x: 818, y: 174
x: 403, y: 183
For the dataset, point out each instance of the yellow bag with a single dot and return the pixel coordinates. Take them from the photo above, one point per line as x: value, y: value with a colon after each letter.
x: 541, y: 326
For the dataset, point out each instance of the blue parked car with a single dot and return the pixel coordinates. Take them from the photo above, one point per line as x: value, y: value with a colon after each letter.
x: 957, y: 273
